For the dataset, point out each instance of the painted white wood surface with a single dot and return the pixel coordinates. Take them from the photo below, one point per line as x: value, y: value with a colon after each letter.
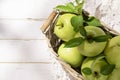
x: 20, y: 29
x: 27, y: 8
x: 23, y: 71
x: 23, y: 49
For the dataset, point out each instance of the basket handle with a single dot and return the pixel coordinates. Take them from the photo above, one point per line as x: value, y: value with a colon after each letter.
x: 48, y: 21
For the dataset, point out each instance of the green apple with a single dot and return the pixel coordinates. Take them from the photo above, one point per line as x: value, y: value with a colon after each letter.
x: 115, y: 75
x: 91, y: 49
x: 95, y: 69
x: 112, y: 52
x: 70, y: 55
x: 63, y: 28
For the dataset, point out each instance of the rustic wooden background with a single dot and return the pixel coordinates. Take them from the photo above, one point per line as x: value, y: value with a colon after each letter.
x: 23, y: 48
x: 24, y: 53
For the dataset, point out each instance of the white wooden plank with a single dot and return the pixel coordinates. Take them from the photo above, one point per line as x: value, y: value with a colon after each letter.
x: 20, y: 29
x: 27, y: 8
x: 24, y: 51
x: 26, y: 72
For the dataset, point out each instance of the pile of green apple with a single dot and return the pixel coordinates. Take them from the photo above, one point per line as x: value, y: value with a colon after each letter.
x: 86, y: 45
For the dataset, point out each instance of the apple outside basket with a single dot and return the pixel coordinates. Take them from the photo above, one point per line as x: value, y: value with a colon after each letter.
x: 54, y: 42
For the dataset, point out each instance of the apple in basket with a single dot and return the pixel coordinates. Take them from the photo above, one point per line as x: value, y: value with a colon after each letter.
x: 112, y: 56
x: 63, y: 28
x: 115, y: 75
x: 70, y: 55
x: 96, y: 68
x: 112, y: 52
x: 93, y: 44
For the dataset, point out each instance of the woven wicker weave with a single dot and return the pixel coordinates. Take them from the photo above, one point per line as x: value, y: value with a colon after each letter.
x: 54, y: 42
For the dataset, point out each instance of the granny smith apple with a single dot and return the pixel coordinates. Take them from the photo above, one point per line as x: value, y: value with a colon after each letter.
x: 91, y: 49
x: 63, y: 28
x: 70, y: 55
x: 115, y: 75
x: 95, y: 69
x: 112, y: 51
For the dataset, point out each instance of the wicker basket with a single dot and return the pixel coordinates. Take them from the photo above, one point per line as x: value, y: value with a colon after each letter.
x: 54, y: 42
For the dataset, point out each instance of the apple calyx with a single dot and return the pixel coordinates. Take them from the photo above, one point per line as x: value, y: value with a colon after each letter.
x: 61, y: 25
x: 88, y: 71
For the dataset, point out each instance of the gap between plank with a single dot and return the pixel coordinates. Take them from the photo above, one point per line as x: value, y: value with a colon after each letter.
x: 30, y: 19
x: 21, y: 39
x: 25, y: 62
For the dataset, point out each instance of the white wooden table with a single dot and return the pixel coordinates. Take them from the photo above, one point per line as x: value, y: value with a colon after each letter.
x: 23, y: 49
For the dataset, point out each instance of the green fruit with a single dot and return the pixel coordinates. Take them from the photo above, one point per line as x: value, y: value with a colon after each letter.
x: 95, y: 73
x: 92, y: 48
x: 63, y: 28
x: 70, y: 55
x: 112, y: 52
x: 115, y: 75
